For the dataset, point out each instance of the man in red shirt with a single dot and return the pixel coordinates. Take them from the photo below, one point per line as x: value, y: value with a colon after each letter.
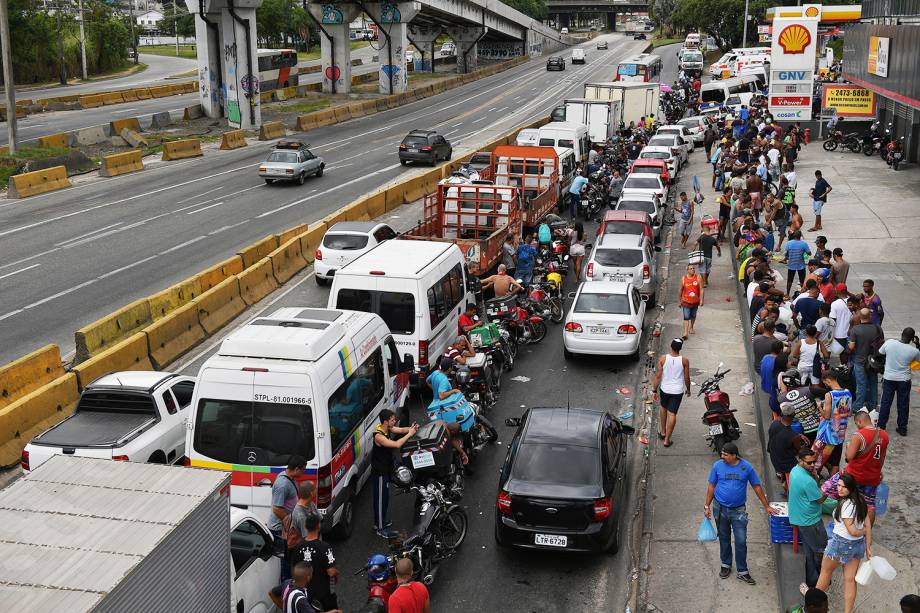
x: 467, y: 321
x: 410, y: 596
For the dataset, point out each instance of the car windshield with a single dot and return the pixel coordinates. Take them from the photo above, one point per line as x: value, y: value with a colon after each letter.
x: 662, y: 141
x: 733, y: 100
x: 612, y: 304
x: 691, y: 56
x: 690, y: 122
x: 623, y: 227
x: 344, y: 242
x: 646, y: 168
x: 655, y: 155
x: 663, y: 131
x: 555, y: 463
x: 286, y: 157
x: 637, y: 205
x: 634, y: 182
x: 619, y: 258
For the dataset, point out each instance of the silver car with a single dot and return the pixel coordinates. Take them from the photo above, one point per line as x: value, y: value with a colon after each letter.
x: 291, y: 160
x: 626, y: 258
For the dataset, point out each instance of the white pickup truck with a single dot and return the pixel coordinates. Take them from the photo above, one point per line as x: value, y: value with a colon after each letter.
x: 136, y: 416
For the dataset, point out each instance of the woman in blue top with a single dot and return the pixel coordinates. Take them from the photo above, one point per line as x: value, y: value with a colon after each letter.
x: 450, y: 406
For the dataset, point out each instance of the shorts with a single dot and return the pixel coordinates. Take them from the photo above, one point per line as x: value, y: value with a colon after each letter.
x: 577, y: 250
x: 671, y: 402
x: 704, y: 267
x: 836, y: 451
x: 683, y: 227
x: 816, y: 205
x: 829, y: 487
x: 725, y: 212
x: 844, y: 550
x: 755, y: 200
x: 689, y: 312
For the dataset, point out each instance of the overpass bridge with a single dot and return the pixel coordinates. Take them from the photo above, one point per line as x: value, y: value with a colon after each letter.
x: 564, y: 13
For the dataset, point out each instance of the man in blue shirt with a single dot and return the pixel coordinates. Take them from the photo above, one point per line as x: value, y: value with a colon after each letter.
x: 726, y: 497
x: 819, y: 198
x: 526, y: 254
x: 578, y: 184
x: 796, y: 250
x: 805, y: 498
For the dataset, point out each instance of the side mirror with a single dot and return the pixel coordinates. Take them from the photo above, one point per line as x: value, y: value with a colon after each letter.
x: 408, y: 363
x: 657, y: 248
x: 572, y: 295
x: 513, y: 422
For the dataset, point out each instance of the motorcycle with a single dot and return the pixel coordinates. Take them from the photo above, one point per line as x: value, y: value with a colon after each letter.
x: 839, y: 139
x: 525, y: 328
x: 477, y: 380
x: 875, y: 140
x: 718, y: 417
x: 592, y: 201
x: 895, y: 153
x: 547, y: 301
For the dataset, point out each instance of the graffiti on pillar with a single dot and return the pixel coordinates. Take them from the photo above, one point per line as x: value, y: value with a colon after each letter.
x: 332, y: 14
x: 250, y: 85
x: 390, y: 69
x: 500, y: 51
x: 204, y: 83
x: 390, y: 14
x: 230, y: 52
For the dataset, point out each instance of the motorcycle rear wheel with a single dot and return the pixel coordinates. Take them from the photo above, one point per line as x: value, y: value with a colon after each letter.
x: 539, y: 332
x: 717, y: 442
x: 868, y: 149
x: 830, y: 145
x: 453, y: 528
x: 556, y: 310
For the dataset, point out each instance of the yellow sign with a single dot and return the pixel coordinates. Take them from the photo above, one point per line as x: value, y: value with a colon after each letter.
x: 849, y: 100
x: 878, y: 56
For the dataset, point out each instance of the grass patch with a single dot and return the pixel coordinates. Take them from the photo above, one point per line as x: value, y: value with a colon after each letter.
x: 661, y: 42
x: 9, y: 164
x: 306, y: 56
x: 186, y: 51
x: 182, y: 75
x: 423, y: 75
x: 304, y: 106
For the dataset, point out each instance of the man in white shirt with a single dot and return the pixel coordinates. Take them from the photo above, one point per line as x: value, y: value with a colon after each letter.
x: 841, y: 315
x: 791, y: 176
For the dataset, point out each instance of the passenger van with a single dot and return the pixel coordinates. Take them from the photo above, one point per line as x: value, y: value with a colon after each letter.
x: 419, y: 289
x: 573, y: 136
x: 527, y: 137
x: 692, y: 40
x: 301, y: 381
x: 715, y: 93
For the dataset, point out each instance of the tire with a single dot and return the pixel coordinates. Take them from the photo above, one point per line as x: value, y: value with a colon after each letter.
x: 895, y: 164
x: 634, y: 356
x: 319, y: 172
x: 269, y: 181
x: 450, y: 154
x: 487, y: 427
x: 346, y: 524
x: 830, y: 145
x: 509, y: 356
x: 557, y: 311
x: 453, y: 528
x: 868, y: 150
x: 567, y: 354
x: 302, y: 178
x: 717, y: 442
x: 539, y: 332
x: 853, y: 145
x: 613, y: 546
x: 320, y: 281
x: 157, y: 457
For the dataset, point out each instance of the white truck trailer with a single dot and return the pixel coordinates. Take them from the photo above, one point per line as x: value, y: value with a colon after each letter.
x: 636, y: 100
x: 601, y: 116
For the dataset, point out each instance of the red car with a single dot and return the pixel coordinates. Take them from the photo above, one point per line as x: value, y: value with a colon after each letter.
x: 652, y: 165
x: 627, y: 222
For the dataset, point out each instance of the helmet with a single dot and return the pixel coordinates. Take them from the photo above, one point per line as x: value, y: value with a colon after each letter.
x: 551, y: 267
x: 378, y: 567
x: 555, y: 278
x: 792, y: 378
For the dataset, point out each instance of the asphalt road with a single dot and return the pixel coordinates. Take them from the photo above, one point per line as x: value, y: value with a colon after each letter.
x: 72, y: 256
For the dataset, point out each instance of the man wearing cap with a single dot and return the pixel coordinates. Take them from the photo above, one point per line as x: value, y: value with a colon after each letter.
x: 783, y: 443
x: 841, y: 315
x: 726, y: 497
x: 805, y: 498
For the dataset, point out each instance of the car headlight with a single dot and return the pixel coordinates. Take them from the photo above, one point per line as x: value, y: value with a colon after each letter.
x: 263, y: 169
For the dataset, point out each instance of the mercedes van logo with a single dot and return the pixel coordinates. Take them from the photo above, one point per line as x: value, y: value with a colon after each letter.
x: 552, y: 510
x: 251, y: 457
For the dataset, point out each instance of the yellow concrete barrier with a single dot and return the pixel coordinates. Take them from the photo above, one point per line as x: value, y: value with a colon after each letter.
x: 177, y: 89
x: 311, y: 240
x: 130, y: 354
x: 272, y: 129
x: 395, y: 195
x: 376, y: 204
x: 121, y: 163
x: 34, y: 413
x: 257, y: 281
x: 381, y: 104
x: 287, y: 260
x: 91, y: 101
x: 234, y: 139
x: 128, y: 95
x: 291, y: 233
x: 37, y: 182
x: 356, y: 110
x: 173, y: 335
x: 142, y: 93
x: 131, y: 123
x: 290, y: 92
x: 219, y: 305
x: 306, y: 122
x: 60, y: 140
x: 112, y: 98
x: 181, y: 149
x: 324, y: 118
x: 28, y: 373
x: 168, y: 300
x: 258, y: 250
x: 342, y: 113
x: 356, y: 211
x: 103, y: 333
x: 160, y: 92
x: 265, y: 97
x: 219, y: 272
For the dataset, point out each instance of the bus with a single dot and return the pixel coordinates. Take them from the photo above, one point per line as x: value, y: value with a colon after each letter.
x: 277, y: 68
x: 643, y: 67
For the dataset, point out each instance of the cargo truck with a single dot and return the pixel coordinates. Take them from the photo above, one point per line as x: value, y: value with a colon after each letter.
x: 88, y: 534
x: 538, y: 172
x: 601, y: 116
x: 636, y: 99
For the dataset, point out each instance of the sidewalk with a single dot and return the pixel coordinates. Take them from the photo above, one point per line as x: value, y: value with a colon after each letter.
x: 683, y: 574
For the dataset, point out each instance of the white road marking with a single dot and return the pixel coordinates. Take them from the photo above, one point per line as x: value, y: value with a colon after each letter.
x: 75, y: 238
x: 31, y: 257
x: 16, y: 272
x: 125, y: 110
x: 127, y: 267
x: 210, y: 206
x: 90, y: 239
x: 58, y: 295
x: 181, y: 245
x: 34, y: 125
x: 483, y: 118
x: 184, y: 200
x: 225, y: 228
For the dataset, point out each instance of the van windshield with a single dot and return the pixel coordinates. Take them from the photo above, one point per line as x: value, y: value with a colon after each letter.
x: 397, y: 309
x: 253, y: 433
x: 713, y: 95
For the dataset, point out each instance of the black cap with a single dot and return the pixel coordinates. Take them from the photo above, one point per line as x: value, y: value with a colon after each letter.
x: 731, y: 448
x: 445, y: 363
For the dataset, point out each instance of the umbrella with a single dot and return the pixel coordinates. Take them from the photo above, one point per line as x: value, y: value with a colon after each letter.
x: 666, y: 89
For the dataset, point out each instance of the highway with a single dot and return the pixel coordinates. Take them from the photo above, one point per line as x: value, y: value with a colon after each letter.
x: 73, y: 256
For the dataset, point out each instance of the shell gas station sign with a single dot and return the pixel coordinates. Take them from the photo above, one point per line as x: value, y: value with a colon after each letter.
x: 792, y: 68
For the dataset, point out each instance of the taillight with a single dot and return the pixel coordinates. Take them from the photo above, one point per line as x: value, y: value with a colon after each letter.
x: 475, y: 372
x: 602, y: 508
x: 402, y: 145
x: 324, y: 486
x: 626, y: 329
x: 573, y: 327
x: 504, y: 503
x: 590, y: 271
x: 186, y: 461
x: 120, y: 458
x: 646, y: 272
x: 423, y: 353
x: 426, y: 148
x: 318, y: 255
x: 24, y: 460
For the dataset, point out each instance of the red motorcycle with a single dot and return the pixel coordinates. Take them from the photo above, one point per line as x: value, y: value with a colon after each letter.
x: 719, y: 417
x: 523, y: 326
x: 381, y: 583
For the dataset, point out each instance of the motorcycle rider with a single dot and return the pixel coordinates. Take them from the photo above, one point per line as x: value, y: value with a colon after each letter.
x: 615, y: 188
x: 460, y: 350
x: 450, y: 406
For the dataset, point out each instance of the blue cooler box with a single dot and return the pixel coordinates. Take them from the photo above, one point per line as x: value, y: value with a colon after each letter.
x: 781, y: 531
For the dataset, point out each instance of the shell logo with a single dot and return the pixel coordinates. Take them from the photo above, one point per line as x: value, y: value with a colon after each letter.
x: 794, y: 39
x: 812, y: 11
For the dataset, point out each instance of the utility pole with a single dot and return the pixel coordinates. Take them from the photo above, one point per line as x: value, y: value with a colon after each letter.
x: 131, y: 21
x: 8, y: 81
x: 60, y: 17
x: 744, y: 36
x: 82, y: 39
x: 176, y: 26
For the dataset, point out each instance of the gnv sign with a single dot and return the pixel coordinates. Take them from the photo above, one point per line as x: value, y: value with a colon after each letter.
x: 791, y: 75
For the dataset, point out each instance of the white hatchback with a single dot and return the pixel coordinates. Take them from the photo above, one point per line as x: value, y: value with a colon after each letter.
x: 645, y: 183
x: 344, y: 242
x: 605, y: 319
x: 662, y: 153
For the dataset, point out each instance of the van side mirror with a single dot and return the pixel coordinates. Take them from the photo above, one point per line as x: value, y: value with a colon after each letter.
x: 408, y: 363
x: 513, y: 422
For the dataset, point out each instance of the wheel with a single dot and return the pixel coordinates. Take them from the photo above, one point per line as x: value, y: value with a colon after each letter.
x: 509, y: 353
x: 320, y: 281
x: 717, y: 441
x: 453, y: 528
x: 450, y: 154
x: 868, y: 149
x: 539, y: 332
x: 319, y: 172
x: 830, y: 145
x: 269, y: 181
x: 557, y: 312
x: 490, y: 432
x: 302, y: 178
x: 346, y: 524
x: 895, y: 163
x: 651, y: 301
x: 853, y: 145
x: 634, y: 356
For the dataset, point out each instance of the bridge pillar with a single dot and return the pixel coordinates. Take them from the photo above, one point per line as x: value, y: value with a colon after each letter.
x: 335, y: 55
x: 466, y: 38
x: 393, y: 19
x: 423, y: 37
x: 207, y: 35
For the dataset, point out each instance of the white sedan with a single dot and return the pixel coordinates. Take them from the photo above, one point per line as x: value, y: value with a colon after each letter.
x: 344, y: 242
x: 605, y: 319
x: 646, y: 183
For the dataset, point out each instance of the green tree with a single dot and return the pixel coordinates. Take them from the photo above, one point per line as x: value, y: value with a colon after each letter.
x: 535, y: 9
x: 280, y: 21
x: 723, y: 20
x: 182, y: 22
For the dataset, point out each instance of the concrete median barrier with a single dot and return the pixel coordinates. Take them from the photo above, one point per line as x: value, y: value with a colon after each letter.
x: 258, y: 250
x: 356, y: 110
x: 130, y: 354
x: 218, y: 273
x: 190, y: 87
x: 38, y: 182
x: 265, y: 97
x: 112, y: 98
x: 287, y: 260
x: 311, y: 240
x: 129, y: 95
x: 89, y: 136
x: 357, y: 210
x: 160, y: 120
x: 219, y: 305
x: 160, y: 92
x: 134, y: 139
x: 376, y: 204
x: 257, y: 281
x: 182, y: 149
x: 61, y: 140
x: 305, y: 122
x: 342, y: 113
x: 177, y: 89
x: 395, y: 195
x: 192, y: 112
x: 121, y: 163
x: 173, y: 335
x: 234, y: 139
x: 34, y: 413
x: 271, y: 130
x: 28, y: 373
x: 94, y: 338
x: 91, y: 102
x: 292, y: 232
x: 324, y: 118
x: 168, y: 300
x: 142, y: 93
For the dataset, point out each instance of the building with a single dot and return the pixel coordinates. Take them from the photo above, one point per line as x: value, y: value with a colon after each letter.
x: 882, y: 53
x: 149, y: 20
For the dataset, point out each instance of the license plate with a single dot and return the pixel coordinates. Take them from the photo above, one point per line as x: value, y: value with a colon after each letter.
x: 413, y: 150
x: 422, y: 459
x: 620, y: 278
x: 599, y: 330
x: 552, y: 540
x: 716, y: 429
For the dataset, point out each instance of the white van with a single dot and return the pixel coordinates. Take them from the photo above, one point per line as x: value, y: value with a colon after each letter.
x: 566, y: 134
x: 419, y: 288
x: 715, y: 93
x: 527, y: 137
x: 302, y: 381
x: 578, y: 55
x: 692, y: 40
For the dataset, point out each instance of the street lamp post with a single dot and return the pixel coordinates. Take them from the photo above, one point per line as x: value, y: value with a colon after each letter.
x: 744, y: 36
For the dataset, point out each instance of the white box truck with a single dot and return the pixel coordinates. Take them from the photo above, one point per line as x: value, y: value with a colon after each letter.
x: 601, y: 116
x: 636, y: 100
x: 88, y: 534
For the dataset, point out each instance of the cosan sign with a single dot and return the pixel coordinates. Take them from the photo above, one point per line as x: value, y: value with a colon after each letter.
x: 792, y: 69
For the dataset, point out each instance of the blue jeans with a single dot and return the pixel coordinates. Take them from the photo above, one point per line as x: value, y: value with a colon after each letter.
x: 866, y: 387
x: 281, y: 545
x: 526, y: 276
x: 574, y: 201
x: 889, y: 388
x: 729, y: 521
x: 720, y: 182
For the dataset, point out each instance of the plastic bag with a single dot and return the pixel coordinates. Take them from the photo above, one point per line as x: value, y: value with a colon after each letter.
x: 706, y: 533
x: 883, y: 568
x: 747, y: 389
x: 864, y: 573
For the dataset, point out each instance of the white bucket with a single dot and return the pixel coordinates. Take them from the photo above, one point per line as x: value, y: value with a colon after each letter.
x: 864, y: 573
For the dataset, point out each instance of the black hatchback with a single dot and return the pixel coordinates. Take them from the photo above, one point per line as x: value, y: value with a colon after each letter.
x: 563, y: 483
x: 556, y: 62
x: 424, y: 146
